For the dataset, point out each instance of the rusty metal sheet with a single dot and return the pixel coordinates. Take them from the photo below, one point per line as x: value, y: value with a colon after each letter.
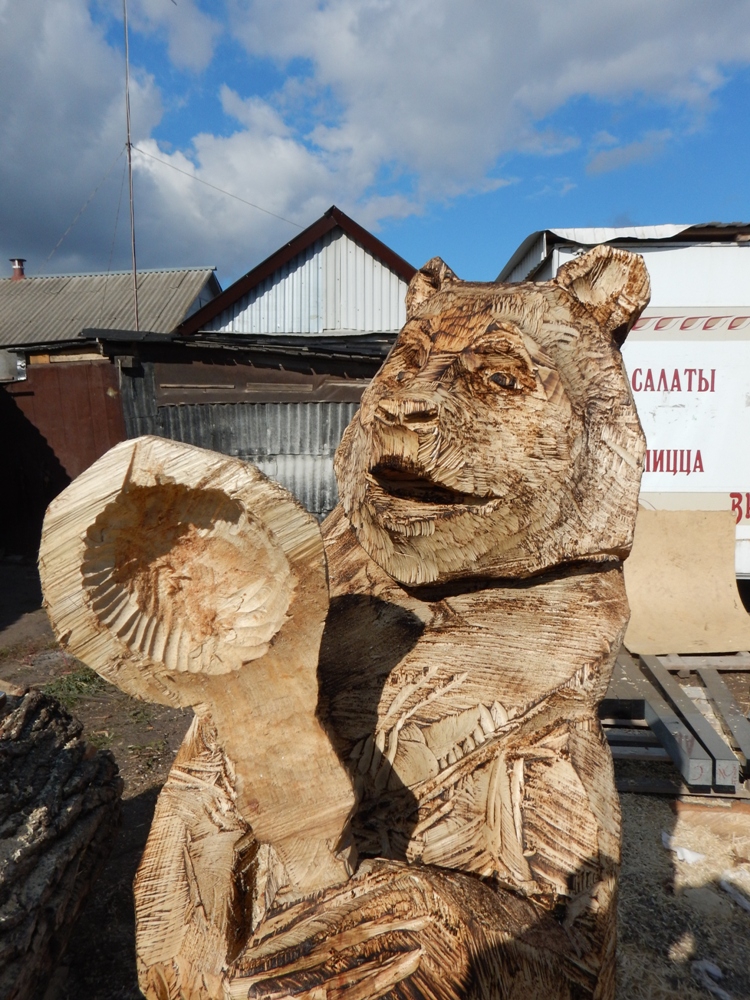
x: 75, y: 407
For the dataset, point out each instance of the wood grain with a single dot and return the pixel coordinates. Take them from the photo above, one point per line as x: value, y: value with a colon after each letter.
x: 396, y: 784
x: 682, y: 585
x: 500, y: 436
x: 189, y: 579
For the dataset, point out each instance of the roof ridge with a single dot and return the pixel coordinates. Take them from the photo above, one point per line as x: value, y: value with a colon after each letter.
x: 112, y: 274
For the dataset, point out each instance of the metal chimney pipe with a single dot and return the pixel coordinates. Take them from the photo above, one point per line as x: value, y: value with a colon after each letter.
x: 18, y: 271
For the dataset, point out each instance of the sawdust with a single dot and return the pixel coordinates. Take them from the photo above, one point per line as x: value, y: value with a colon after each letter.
x: 672, y: 913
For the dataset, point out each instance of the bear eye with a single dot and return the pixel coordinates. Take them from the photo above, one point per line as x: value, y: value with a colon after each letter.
x: 504, y: 380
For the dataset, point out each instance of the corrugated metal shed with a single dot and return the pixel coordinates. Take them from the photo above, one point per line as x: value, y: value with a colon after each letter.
x: 55, y: 309
x: 292, y: 443
x: 332, y: 293
x: 334, y: 278
x: 333, y: 285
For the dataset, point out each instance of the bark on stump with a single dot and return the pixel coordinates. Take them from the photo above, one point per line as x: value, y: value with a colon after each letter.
x: 59, y: 810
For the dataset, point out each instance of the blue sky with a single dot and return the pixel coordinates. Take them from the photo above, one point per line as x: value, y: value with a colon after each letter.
x: 450, y: 129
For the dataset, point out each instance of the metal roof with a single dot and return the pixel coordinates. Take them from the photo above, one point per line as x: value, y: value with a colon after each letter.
x: 534, y: 249
x: 57, y: 308
x: 606, y: 234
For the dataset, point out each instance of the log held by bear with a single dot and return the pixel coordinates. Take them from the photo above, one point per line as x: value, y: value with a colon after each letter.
x: 407, y: 701
x: 190, y: 579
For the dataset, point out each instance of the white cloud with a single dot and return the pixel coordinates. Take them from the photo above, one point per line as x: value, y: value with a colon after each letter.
x: 640, y: 151
x: 436, y: 93
x: 253, y: 113
x: 199, y: 225
x: 61, y: 126
x: 387, y: 106
x: 445, y: 89
x: 603, y: 140
x: 558, y: 188
x: 191, y: 34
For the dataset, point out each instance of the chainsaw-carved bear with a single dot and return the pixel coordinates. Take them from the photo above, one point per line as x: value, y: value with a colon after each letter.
x: 488, y: 486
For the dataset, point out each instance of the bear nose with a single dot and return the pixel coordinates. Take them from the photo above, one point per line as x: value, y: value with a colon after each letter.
x: 406, y: 410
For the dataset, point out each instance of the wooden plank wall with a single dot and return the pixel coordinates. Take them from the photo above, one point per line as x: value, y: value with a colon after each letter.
x: 179, y: 383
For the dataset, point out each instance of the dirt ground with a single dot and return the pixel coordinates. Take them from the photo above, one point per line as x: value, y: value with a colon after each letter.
x: 671, y: 913
x: 99, y: 963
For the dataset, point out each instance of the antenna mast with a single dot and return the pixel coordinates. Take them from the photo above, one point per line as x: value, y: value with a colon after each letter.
x: 129, y: 145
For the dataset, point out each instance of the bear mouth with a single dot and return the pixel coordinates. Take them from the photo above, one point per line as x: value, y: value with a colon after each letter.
x: 407, y: 484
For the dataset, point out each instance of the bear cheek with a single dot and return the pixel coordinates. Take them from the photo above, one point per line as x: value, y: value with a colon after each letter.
x: 368, y: 406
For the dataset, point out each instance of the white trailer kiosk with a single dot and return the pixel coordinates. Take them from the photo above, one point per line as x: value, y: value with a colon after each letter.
x: 688, y: 359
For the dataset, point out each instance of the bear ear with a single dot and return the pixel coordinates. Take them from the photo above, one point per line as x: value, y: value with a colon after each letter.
x: 428, y: 280
x: 612, y: 284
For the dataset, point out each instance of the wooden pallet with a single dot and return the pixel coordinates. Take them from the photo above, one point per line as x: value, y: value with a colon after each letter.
x: 685, y: 663
x: 648, y: 716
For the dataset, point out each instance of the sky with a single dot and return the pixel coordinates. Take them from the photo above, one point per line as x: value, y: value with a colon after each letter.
x: 443, y: 127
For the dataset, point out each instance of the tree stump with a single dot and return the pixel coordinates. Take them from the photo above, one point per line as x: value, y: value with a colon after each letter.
x: 396, y: 784
x: 59, y: 811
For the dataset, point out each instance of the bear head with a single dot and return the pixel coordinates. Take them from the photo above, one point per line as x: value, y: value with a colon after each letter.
x: 500, y: 438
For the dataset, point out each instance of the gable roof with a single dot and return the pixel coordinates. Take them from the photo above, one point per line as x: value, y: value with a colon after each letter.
x: 57, y: 308
x: 334, y: 218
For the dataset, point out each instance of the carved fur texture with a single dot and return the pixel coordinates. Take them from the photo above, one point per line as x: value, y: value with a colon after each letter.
x: 500, y: 437
x: 396, y: 784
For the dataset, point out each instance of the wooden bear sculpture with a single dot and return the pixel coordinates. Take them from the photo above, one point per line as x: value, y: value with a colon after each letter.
x: 395, y: 784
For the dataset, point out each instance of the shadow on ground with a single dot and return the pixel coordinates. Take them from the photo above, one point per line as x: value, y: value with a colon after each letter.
x: 20, y: 592
x: 99, y: 963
